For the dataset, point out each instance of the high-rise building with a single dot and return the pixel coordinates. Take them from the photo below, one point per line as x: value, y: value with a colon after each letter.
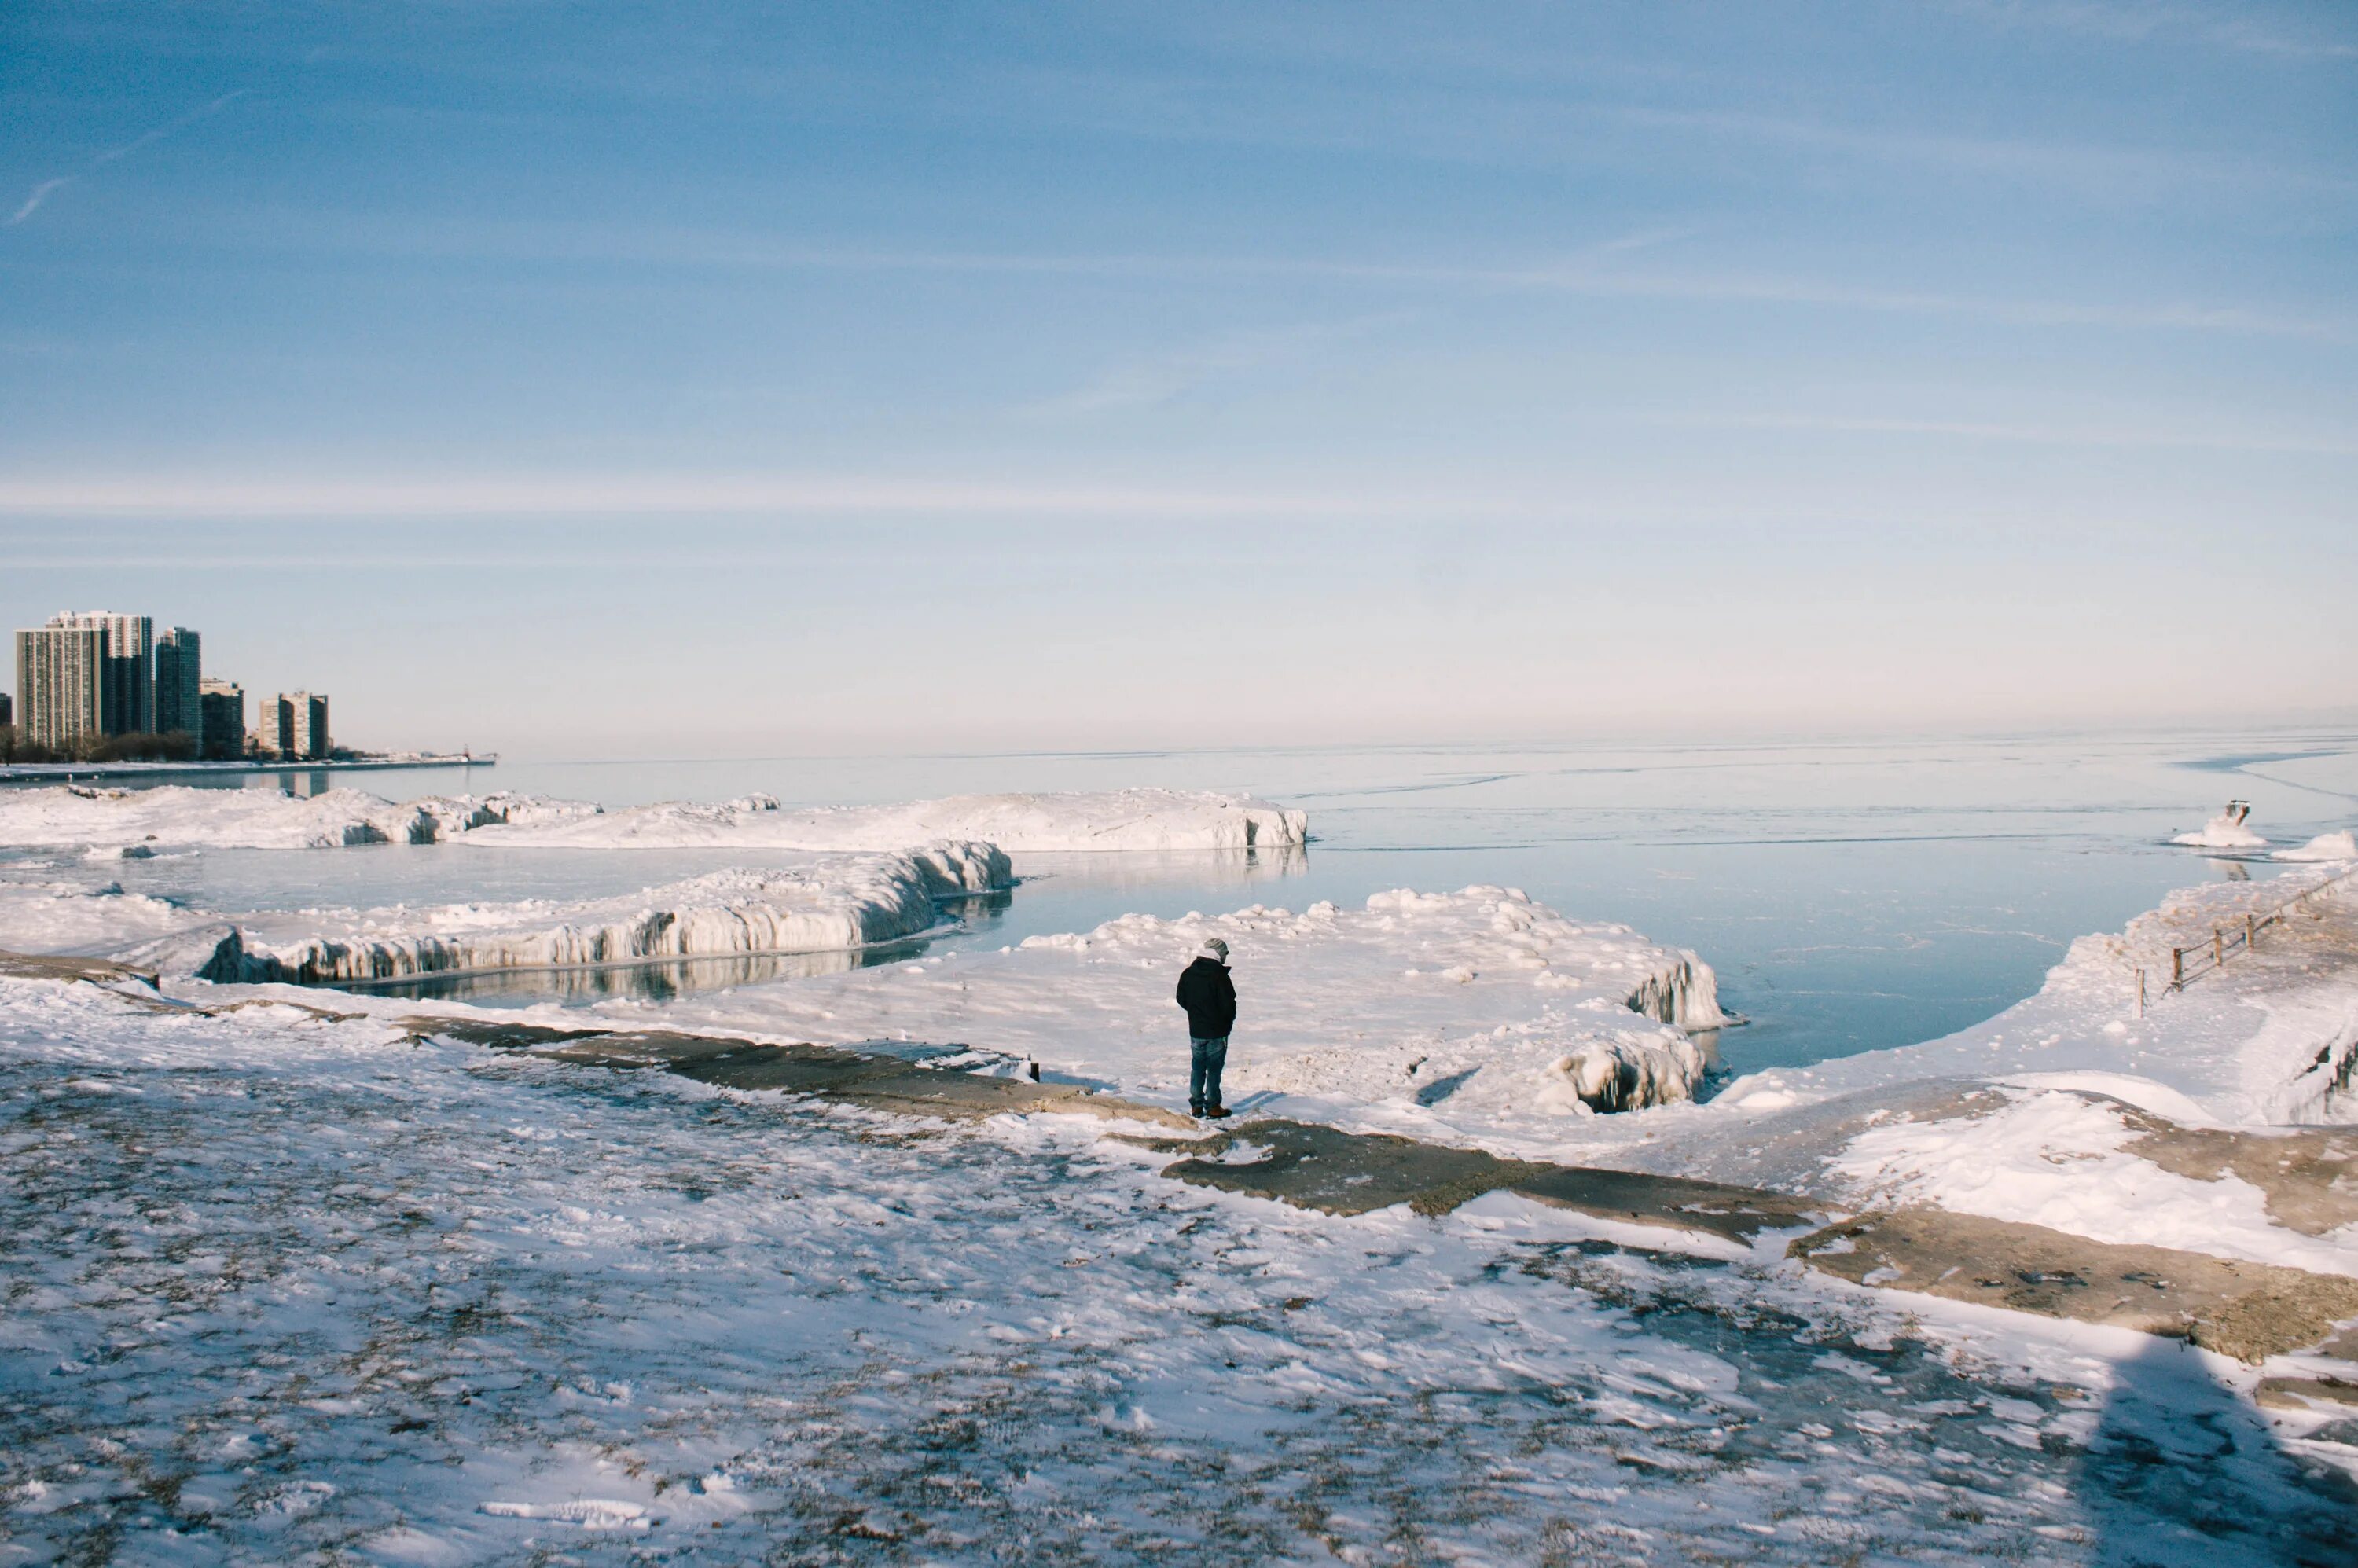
x: 221, y: 731
x: 312, y: 742
x: 273, y: 726
x: 178, y: 684
x: 294, y: 726
x: 61, y: 678
x: 7, y: 711
x: 127, y: 693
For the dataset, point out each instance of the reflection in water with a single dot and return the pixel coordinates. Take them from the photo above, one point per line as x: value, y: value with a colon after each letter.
x: 663, y: 980
x: 2231, y: 870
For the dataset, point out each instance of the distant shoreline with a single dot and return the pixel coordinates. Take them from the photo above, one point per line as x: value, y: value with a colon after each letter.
x: 61, y: 772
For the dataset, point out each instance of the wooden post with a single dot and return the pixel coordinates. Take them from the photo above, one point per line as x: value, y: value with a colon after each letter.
x: 2251, y: 929
x: 2140, y: 993
x: 2177, y: 969
x: 2218, y: 948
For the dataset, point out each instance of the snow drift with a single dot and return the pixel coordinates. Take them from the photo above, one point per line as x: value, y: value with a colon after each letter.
x: 835, y: 903
x: 1131, y: 820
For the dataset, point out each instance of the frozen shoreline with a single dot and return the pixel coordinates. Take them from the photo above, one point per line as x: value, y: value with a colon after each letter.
x: 174, y: 815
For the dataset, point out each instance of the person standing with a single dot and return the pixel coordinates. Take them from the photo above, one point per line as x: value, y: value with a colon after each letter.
x: 1210, y: 998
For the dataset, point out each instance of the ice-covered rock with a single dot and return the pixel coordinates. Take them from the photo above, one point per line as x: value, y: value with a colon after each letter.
x: 2228, y: 830
x: 833, y: 903
x: 2341, y: 846
x: 1131, y: 819
x: 1628, y: 1074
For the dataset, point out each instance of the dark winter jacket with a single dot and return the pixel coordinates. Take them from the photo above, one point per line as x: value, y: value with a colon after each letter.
x: 1210, y: 998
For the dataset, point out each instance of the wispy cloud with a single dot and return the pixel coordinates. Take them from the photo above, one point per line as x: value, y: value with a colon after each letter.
x: 2057, y: 435
x: 1164, y: 378
x: 2162, y: 23
x: 1588, y: 271
x: 41, y: 193
x: 49, y: 188
x: 578, y: 494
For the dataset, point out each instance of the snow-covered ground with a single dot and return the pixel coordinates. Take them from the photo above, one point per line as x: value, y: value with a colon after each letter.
x: 283, y: 1288
x: 282, y: 1283
x: 2073, y: 1111
x: 178, y: 815
x: 1474, y: 1016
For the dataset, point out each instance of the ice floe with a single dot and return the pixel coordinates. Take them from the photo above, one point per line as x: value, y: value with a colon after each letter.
x: 2340, y: 845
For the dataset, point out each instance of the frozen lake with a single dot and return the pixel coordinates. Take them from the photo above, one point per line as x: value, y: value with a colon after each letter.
x: 1851, y: 896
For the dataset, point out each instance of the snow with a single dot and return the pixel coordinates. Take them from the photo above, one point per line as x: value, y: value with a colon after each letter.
x: 2035, y: 1115
x: 2241, y: 1042
x: 68, y: 918
x: 823, y: 906
x: 2054, y: 1157
x: 1474, y: 1016
x: 286, y: 1288
x: 2340, y: 845
x: 2225, y: 831
x: 177, y: 816
x: 1131, y: 820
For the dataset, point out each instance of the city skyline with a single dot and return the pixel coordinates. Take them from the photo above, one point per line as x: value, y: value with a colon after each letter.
x: 88, y: 676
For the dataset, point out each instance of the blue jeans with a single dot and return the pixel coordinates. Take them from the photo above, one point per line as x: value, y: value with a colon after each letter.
x: 1205, y: 1060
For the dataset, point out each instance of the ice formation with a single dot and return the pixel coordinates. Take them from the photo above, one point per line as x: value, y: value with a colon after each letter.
x: 2228, y: 830
x: 2340, y: 845
x: 173, y: 815
x: 833, y: 903
x: 1479, y: 1014
x: 180, y: 815
x: 1131, y: 820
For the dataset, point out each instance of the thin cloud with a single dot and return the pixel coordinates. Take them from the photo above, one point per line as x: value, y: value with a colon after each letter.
x: 1588, y: 272
x: 49, y: 188
x: 1152, y: 381
x: 2036, y: 435
x: 2151, y: 22
x: 41, y: 193
x: 638, y: 495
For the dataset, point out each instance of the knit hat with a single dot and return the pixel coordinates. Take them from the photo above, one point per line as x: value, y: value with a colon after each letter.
x: 1216, y: 950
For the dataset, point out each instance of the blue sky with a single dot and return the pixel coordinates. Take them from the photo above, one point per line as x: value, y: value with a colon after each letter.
x: 596, y: 379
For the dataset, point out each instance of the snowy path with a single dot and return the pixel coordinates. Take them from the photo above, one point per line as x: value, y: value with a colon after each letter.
x: 278, y: 1287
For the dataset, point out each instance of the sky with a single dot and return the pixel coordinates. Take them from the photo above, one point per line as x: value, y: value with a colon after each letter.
x: 760, y: 379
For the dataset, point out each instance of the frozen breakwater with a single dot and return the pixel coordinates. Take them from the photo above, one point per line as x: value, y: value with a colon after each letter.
x: 1113, y: 820
x: 180, y: 815
x: 834, y: 904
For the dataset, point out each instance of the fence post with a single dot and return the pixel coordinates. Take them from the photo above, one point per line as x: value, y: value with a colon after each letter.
x: 2177, y: 969
x: 2140, y: 993
x: 2218, y: 948
x: 2250, y: 930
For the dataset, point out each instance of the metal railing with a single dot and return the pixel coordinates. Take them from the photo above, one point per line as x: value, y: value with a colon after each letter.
x: 2188, y: 965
